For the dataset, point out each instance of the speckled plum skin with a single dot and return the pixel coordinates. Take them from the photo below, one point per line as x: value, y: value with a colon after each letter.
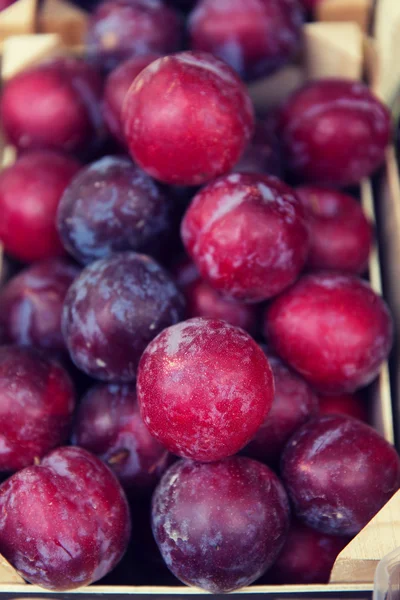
x: 108, y: 423
x: 31, y: 304
x: 331, y: 328
x: 64, y: 523
x: 121, y: 29
x: 341, y: 235
x: 339, y: 473
x: 255, y: 37
x: 116, y: 86
x: 111, y: 206
x: 187, y: 118
x: 55, y: 105
x: 113, y: 310
x: 248, y: 236
x: 30, y: 191
x: 334, y: 132
x: 293, y: 405
x: 263, y: 153
x: 219, y: 526
x: 37, y: 400
x: 204, y: 388
x: 351, y: 405
x: 307, y: 557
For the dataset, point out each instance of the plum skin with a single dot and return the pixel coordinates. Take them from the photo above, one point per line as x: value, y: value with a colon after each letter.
x: 30, y: 191
x: 116, y: 87
x: 333, y: 329
x: 187, y: 118
x: 219, y: 525
x: 204, y: 388
x: 248, y: 235
x: 255, y: 38
x: 339, y: 472
x: 112, y: 311
x: 334, y: 132
x: 294, y: 403
x: 31, y: 304
x: 352, y: 405
x: 112, y: 206
x: 37, y: 400
x: 341, y: 236
x: 108, y: 423
x: 82, y: 523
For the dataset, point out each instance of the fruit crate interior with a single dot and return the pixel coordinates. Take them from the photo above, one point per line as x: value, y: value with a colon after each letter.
x: 331, y: 49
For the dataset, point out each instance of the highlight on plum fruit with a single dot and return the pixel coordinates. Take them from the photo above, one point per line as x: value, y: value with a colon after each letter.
x: 204, y: 388
x: 219, y: 526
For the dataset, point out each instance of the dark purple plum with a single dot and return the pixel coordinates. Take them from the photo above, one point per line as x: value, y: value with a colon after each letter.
x: 113, y: 310
x: 108, y: 423
x: 220, y: 525
x: 31, y: 304
x: 263, y: 154
x: 293, y: 405
x: 112, y: 206
x: 65, y: 522
x: 339, y: 472
x: 37, y: 400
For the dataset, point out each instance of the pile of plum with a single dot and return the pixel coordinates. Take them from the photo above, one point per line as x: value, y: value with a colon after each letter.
x: 185, y: 331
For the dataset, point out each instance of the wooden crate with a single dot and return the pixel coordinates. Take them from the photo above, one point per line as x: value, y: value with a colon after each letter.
x: 332, y: 48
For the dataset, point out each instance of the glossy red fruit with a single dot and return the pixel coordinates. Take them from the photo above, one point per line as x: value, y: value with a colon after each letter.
x: 55, y: 105
x: 113, y: 310
x: 341, y: 234
x: 334, y: 131
x: 65, y: 522
x: 121, y: 29
x: 333, y: 329
x: 116, y: 87
x: 30, y: 191
x: 187, y: 118
x: 293, y: 405
x: 31, y: 304
x: 112, y: 206
x: 255, y: 37
x: 219, y: 526
x: 339, y: 472
x: 248, y: 236
x: 307, y: 557
x: 108, y: 423
x: 36, y: 404
x: 352, y: 405
x: 204, y: 388
x: 263, y: 153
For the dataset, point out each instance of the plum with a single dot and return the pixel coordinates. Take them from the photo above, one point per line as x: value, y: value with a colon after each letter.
x: 37, y: 400
x: 65, y: 522
x: 341, y: 235
x: 352, y: 405
x: 108, y: 423
x: 112, y: 205
x: 116, y: 86
x: 220, y: 525
x: 30, y: 191
x: 248, y: 235
x: 293, y: 405
x: 54, y: 105
x: 112, y: 311
x: 263, y: 153
x: 31, y: 304
x: 121, y: 29
x: 307, y: 557
x: 204, y: 388
x: 334, y: 132
x: 6, y: 3
x: 339, y: 472
x: 187, y: 118
x: 255, y: 37
x: 331, y: 328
